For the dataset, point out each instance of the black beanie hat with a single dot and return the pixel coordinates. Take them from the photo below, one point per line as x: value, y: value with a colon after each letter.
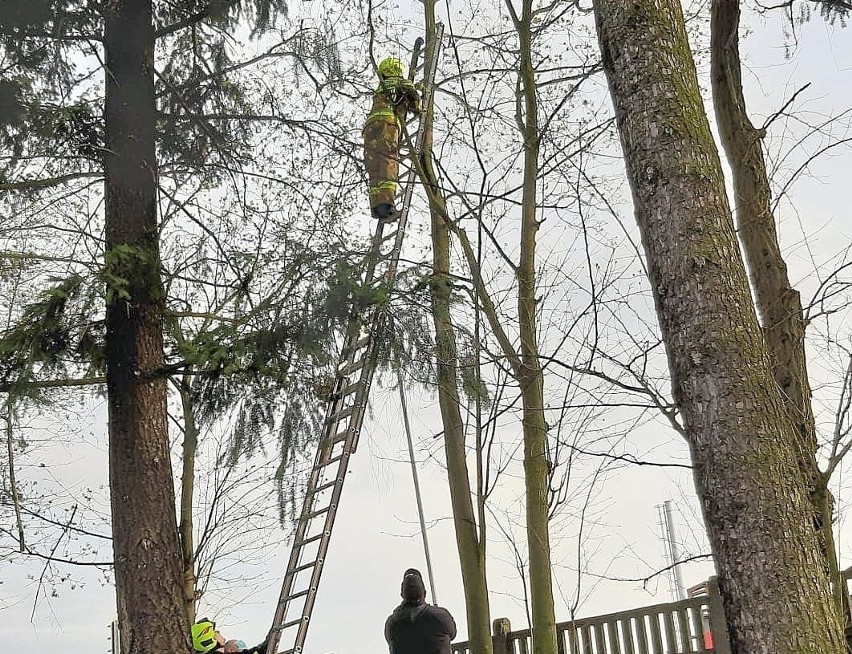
x: 412, y: 586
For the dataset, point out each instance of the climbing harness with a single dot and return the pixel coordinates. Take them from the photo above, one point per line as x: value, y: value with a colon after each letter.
x: 344, y: 415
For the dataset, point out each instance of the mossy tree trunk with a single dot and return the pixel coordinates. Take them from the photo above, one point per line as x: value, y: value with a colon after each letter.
x: 779, y: 305
x: 744, y: 449
x: 470, y: 547
x: 145, y: 535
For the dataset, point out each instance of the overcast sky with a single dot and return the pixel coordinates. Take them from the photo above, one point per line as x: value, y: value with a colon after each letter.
x: 376, y: 535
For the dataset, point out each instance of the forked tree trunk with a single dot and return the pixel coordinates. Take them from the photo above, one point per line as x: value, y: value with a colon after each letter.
x: 744, y: 450
x: 145, y: 537
x: 779, y: 305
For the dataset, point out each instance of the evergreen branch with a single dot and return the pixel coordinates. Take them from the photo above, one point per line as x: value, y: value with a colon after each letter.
x: 34, y: 256
x: 221, y: 73
x: 204, y: 315
x: 34, y: 184
x: 52, y: 383
x: 194, y: 19
x: 247, y: 117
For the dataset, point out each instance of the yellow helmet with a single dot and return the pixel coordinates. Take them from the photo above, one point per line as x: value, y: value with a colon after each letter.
x: 204, y: 636
x: 391, y: 67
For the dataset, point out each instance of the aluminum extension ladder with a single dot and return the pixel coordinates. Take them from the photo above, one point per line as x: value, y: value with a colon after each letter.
x: 344, y: 415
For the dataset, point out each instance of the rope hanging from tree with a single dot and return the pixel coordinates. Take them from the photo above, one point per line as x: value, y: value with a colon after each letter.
x: 404, y: 404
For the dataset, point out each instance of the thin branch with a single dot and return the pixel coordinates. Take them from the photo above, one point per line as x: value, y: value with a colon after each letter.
x: 780, y: 112
x: 10, y: 415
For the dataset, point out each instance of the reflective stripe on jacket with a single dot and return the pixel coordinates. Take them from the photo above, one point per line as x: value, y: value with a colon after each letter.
x: 393, y: 100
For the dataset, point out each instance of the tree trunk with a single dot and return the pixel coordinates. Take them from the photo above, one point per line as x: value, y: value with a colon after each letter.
x: 530, y: 376
x: 145, y: 536
x: 187, y: 489
x: 755, y: 500
x: 779, y: 305
x: 470, y: 548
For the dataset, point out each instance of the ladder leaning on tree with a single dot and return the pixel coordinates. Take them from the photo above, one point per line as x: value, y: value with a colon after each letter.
x: 345, y: 412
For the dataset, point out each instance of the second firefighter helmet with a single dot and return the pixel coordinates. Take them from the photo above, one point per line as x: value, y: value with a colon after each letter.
x: 390, y: 67
x: 204, y: 636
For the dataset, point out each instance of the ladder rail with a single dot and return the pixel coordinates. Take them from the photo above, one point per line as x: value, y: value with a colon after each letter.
x: 323, y: 453
x: 345, y: 411
x: 354, y: 422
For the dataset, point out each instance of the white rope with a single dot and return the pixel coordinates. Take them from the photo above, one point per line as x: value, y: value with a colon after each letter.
x: 416, y: 483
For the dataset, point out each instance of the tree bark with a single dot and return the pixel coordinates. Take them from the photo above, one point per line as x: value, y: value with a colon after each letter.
x: 744, y: 450
x: 530, y: 375
x: 145, y: 536
x: 470, y: 548
x: 779, y: 305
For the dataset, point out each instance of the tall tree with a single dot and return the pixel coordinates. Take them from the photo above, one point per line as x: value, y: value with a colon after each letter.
x: 529, y: 374
x: 503, y: 196
x: 470, y: 535
x: 145, y: 537
x: 744, y: 448
x: 54, y: 118
x: 778, y: 303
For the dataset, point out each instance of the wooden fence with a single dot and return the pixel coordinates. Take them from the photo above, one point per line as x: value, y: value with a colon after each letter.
x: 690, y: 626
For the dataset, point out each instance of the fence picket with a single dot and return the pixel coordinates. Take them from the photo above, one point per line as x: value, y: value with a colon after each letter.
x: 612, y: 637
x: 669, y: 632
x: 673, y: 628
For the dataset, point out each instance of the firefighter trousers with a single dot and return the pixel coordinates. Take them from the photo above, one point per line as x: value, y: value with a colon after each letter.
x: 381, y: 159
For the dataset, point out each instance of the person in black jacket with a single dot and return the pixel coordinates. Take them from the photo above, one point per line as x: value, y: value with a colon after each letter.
x: 416, y: 627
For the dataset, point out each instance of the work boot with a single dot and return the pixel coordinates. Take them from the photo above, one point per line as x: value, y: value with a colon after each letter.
x: 386, y: 212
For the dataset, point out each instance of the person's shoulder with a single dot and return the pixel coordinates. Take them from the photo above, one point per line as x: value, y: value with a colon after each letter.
x: 440, y: 609
x: 442, y: 614
x: 395, y: 614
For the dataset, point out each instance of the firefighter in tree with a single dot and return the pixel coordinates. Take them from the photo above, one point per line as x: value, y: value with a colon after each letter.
x: 395, y: 98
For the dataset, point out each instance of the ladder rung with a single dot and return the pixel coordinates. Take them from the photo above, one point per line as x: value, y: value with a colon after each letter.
x: 306, y: 566
x: 340, y: 436
x: 301, y: 593
x: 318, y: 512
x: 387, y: 237
x: 293, y: 650
x: 335, y: 459
x: 350, y: 389
x: 343, y: 413
x: 292, y: 623
x: 326, y: 486
x: 337, y: 438
x: 312, y: 539
x: 365, y: 340
x: 348, y: 369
